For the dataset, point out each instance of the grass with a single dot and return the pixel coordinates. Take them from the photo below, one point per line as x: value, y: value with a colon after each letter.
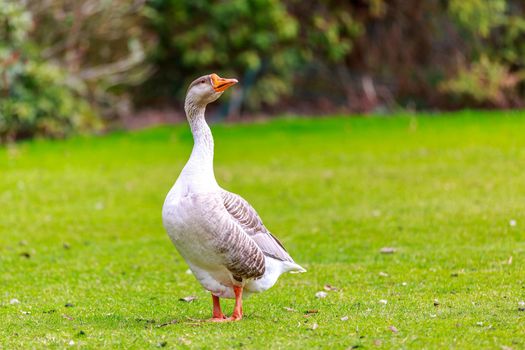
x: 80, y: 225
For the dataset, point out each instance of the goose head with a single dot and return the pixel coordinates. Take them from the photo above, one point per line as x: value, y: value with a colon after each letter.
x: 207, y: 89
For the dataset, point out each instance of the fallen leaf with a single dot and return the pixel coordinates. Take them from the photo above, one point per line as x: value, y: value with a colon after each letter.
x: 344, y: 318
x: 290, y: 309
x: 378, y: 342
x: 189, y: 298
x: 510, y: 260
x: 329, y: 287
x: 162, y: 344
x: 387, y: 250
x: 66, y: 245
x: 321, y: 295
x: 25, y: 255
x: 393, y: 329
x: 69, y: 305
x: 383, y: 274
x: 436, y: 302
x: 314, y: 326
x: 383, y: 301
x: 14, y: 301
x: 67, y: 317
x: 311, y: 311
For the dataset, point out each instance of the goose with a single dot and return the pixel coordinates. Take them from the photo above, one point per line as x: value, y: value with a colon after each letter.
x: 218, y: 233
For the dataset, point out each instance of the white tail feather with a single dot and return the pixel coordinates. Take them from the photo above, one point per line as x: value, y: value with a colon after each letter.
x: 292, y: 267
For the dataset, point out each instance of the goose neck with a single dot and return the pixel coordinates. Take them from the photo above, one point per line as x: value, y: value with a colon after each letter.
x: 200, y: 165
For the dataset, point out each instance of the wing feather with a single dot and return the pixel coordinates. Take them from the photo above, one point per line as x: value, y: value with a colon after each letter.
x: 246, y: 216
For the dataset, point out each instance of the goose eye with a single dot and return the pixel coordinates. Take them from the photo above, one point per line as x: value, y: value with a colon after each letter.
x: 202, y: 81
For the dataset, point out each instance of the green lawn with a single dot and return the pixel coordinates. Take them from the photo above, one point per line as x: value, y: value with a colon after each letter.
x: 80, y: 224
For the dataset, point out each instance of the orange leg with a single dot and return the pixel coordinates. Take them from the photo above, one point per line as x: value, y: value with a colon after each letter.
x: 237, y: 310
x: 218, y: 316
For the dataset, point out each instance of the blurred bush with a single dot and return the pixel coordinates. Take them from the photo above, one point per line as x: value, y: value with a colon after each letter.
x: 264, y: 42
x: 485, y: 81
x: 101, y: 44
x: 34, y: 96
x: 492, y: 70
x: 359, y: 55
x: 300, y: 56
x: 251, y: 39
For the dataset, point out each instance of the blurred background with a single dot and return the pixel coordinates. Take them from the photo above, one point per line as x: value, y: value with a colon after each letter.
x: 70, y: 66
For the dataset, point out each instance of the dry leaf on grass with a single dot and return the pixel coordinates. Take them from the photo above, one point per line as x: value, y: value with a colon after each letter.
x: 189, y: 298
x: 387, y: 250
x: 329, y: 287
x: 321, y: 295
x: 308, y: 312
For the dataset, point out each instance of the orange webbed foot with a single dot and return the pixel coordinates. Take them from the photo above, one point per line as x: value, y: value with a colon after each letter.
x: 218, y: 316
x: 234, y: 318
x: 218, y: 319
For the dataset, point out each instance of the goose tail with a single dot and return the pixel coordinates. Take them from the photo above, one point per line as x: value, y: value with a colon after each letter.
x: 292, y: 267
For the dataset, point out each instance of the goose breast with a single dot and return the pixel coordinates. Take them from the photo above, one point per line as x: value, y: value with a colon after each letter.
x: 206, y: 236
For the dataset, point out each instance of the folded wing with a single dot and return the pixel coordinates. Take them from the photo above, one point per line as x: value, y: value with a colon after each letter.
x: 246, y: 216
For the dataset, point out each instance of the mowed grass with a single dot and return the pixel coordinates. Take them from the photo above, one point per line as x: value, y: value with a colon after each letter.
x: 83, y: 250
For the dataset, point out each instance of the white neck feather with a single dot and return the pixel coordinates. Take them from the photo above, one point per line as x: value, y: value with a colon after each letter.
x: 198, y: 173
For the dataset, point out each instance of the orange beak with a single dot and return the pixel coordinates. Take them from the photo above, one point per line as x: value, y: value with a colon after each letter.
x: 220, y: 84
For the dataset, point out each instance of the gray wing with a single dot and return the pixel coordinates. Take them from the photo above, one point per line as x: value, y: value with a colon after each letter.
x: 244, y: 214
x: 222, y: 239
